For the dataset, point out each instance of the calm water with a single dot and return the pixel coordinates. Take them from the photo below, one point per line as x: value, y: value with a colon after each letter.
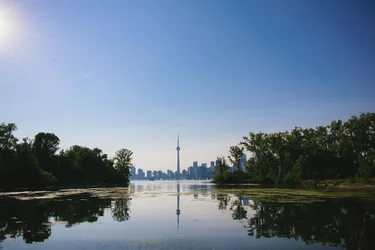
x: 188, y: 215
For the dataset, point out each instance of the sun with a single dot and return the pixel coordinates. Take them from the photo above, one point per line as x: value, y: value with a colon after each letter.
x: 4, y: 27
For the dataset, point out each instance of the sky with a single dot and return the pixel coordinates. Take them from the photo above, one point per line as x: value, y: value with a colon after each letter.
x: 132, y: 74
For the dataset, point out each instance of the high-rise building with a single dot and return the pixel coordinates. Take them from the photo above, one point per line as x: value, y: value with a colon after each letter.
x: 132, y: 171
x: 210, y: 172
x: 212, y: 164
x: 141, y: 174
x: 178, y: 158
x: 201, y: 172
x: 243, y: 162
x: 204, y: 165
x: 155, y: 174
x: 170, y: 174
x: 160, y: 174
x: 149, y: 174
x: 195, y: 164
x: 184, y: 174
x: 190, y: 172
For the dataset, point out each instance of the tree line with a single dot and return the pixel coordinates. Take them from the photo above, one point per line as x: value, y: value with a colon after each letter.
x: 39, y: 162
x: 338, y: 150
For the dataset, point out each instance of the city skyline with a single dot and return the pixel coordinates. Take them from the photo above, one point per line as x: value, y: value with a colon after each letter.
x: 132, y: 74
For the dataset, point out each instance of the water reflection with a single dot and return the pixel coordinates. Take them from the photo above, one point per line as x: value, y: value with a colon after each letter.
x: 207, y: 211
x: 239, y: 212
x: 347, y: 224
x: 32, y: 220
x: 178, y: 205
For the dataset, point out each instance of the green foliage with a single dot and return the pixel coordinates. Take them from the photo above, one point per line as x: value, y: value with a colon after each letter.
x: 7, y: 140
x: 36, y: 163
x: 236, y: 153
x: 232, y: 178
x: 339, y: 150
x: 221, y: 164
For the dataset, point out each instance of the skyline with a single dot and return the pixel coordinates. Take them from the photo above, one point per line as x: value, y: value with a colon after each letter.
x: 118, y: 74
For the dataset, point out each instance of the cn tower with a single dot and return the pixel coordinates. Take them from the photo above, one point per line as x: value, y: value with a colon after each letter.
x: 178, y: 157
x: 178, y: 211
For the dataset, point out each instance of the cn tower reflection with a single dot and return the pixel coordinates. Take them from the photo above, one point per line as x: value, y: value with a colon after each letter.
x: 178, y: 205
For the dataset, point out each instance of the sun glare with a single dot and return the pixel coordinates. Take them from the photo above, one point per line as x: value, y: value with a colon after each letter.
x: 4, y: 28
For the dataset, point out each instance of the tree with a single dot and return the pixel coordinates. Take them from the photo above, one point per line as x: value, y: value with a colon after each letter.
x: 122, y: 162
x: 35, y: 163
x: 236, y: 153
x: 7, y: 140
x: 45, y: 146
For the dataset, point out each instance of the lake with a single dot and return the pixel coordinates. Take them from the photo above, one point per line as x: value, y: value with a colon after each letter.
x: 187, y: 215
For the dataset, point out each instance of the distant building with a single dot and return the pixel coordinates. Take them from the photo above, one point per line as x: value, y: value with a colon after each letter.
x: 212, y: 164
x: 160, y: 174
x: 195, y: 164
x: 184, y: 174
x: 209, y: 172
x: 170, y: 174
x: 141, y: 174
x: 204, y: 165
x: 149, y: 174
x: 243, y: 162
x: 132, y: 172
x: 201, y: 172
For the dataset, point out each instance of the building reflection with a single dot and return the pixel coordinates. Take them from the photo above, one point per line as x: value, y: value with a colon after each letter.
x: 178, y: 211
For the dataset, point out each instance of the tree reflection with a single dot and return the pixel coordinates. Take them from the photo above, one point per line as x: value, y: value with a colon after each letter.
x: 120, y: 210
x: 32, y: 219
x: 223, y: 201
x: 239, y: 212
x: 236, y: 206
x: 347, y: 224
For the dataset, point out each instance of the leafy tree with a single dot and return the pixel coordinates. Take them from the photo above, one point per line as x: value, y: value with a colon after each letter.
x: 45, y: 146
x: 236, y: 153
x: 122, y: 162
x: 36, y: 163
x: 7, y: 139
x: 338, y: 150
x: 222, y: 165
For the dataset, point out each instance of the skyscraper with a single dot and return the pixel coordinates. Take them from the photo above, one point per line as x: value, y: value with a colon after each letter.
x: 178, y: 157
x: 141, y: 174
x: 243, y: 162
x: 132, y: 171
x: 149, y: 174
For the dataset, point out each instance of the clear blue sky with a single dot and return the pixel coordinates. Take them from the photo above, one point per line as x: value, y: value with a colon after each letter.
x: 133, y: 74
